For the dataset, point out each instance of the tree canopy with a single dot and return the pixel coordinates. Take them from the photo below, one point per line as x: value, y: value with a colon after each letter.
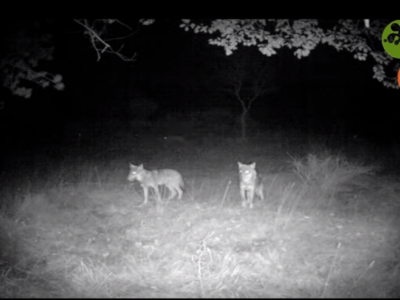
x: 26, y: 45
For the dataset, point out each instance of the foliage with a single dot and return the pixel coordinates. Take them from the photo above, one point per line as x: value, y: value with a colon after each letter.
x: 27, y: 46
x: 269, y: 35
x: 328, y: 172
x: 22, y: 54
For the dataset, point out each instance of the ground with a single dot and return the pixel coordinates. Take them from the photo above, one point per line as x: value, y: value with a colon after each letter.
x: 84, y: 231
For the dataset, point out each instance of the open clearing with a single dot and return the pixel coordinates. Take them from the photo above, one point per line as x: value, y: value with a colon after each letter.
x: 329, y: 227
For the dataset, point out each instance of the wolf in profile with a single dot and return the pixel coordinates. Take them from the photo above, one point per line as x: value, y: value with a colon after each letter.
x: 250, y: 184
x: 172, y: 179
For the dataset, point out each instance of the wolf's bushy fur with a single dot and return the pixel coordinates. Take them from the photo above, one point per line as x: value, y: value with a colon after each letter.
x: 250, y: 184
x: 172, y: 179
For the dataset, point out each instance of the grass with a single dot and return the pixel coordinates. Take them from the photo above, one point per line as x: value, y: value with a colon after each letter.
x: 327, y: 173
x: 328, y: 228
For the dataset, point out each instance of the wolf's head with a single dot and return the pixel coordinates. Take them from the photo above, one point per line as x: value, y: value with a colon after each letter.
x: 135, y: 172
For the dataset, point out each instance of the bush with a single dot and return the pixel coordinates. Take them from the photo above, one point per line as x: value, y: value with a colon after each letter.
x: 328, y: 172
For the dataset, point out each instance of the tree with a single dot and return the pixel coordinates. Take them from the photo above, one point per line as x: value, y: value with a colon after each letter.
x: 360, y: 37
x: 27, y: 45
x: 102, y: 37
x: 247, y: 76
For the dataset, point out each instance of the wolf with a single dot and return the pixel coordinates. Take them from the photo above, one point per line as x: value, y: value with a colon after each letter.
x: 172, y: 179
x: 249, y: 182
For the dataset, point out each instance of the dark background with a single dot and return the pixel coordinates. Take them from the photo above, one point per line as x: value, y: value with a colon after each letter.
x: 326, y: 92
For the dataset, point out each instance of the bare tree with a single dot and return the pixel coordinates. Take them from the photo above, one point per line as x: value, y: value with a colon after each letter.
x: 247, y: 76
x: 102, y: 37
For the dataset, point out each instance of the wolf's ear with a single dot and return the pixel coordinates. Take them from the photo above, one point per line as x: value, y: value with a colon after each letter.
x: 253, y: 165
x: 131, y: 165
x: 239, y: 164
x: 141, y: 166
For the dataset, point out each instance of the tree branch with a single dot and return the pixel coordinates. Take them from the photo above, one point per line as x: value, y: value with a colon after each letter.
x: 95, y: 37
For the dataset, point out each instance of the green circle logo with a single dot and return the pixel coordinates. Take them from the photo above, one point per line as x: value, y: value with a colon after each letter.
x: 391, y: 39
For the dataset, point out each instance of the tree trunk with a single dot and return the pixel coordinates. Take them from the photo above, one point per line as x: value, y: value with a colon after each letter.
x: 243, y: 123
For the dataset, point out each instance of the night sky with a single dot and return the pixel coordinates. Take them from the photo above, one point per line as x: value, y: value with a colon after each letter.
x: 173, y: 68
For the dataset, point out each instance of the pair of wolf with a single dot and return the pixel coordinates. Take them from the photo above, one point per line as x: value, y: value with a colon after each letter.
x: 249, y: 182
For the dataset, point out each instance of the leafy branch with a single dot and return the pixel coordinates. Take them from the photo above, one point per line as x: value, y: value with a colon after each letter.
x: 269, y: 35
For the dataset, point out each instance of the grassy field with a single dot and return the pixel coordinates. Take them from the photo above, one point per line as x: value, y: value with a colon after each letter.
x: 72, y: 226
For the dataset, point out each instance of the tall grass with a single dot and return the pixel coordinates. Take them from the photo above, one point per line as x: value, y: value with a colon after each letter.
x: 76, y: 229
x: 327, y: 172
